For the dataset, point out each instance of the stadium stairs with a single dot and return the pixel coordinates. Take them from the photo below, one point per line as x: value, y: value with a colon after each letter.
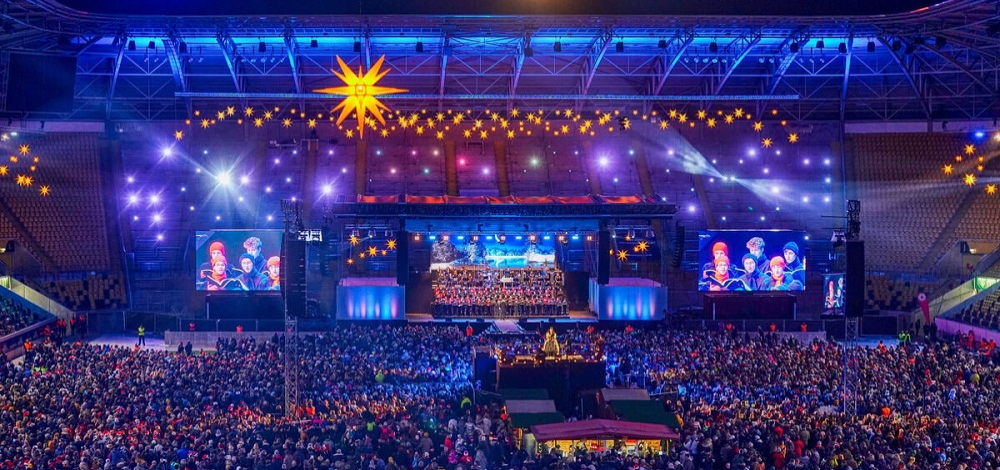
x: 970, y: 294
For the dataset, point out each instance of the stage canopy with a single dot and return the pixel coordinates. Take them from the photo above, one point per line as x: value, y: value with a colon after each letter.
x: 601, y: 429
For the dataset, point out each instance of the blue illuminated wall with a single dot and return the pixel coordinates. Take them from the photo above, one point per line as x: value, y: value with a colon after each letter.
x: 371, y: 302
x: 627, y: 302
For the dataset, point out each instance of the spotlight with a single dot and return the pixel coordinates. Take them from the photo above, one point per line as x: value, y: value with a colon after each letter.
x: 131, y: 45
x: 420, y: 46
x: 224, y: 179
x: 620, y: 46
x: 168, y: 152
x: 155, y: 199
x: 314, y: 44
x: 327, y: 189
x: 713, y: 47
x: 244, y: 179
x: 842, y: 48
x: 132, y: 199
x: 261, y: 47
x: 871, y: 46
x: 557, y: 47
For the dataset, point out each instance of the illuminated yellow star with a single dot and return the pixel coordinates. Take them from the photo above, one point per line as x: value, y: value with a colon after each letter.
x: 793, y: 138
x: 384, y: 132
x: 663, y: 125
x: 231, y: 111
x: 682, y: 118
x: 420, y: 130
x: 258, y: 122
x: 970, y: 149
x: 622, y: 255
x: 25, y: 149
x: 758, y: 126
x: 350, y: 260
x: 3, y: 170
x: 20, y: 180
x: 354, y: 240
x: 311, y: 123
x: 349, y: 133
x: 221, y: 115
x: 384, y: 252
x: 439, y: 117
x: 947, y: 169
x: 248, y: 111
x: 457, y: 119
x: 568, y: 113
x: 287, y: 122
x: 710, y: 123
x: 672, y: 114
x: 44, y: 190
x: 204, y: 123
x: 372, y: 251
x: 970, y: 179
x: 738, y: 112
x: 27, y: 181
x: 267, y: 115
x: 390, y: 244
x: 728, y: 119
x: 361, y: 255
x: 627, y: 124
x: 979, y: 168
x: 33, y: 168
x: 467, y: 133
x: 702, y: 114
x: 483, y: 134
x: 439, y: 135
x: 510, y: 134
x: 197, y: 112
x: 641, y: 247
x: 361, y: 92
x: 564, y: 129
x: 958, y: 158
x: 13, y: 158
x: 991, y: 189
x: 178, y: 135
x: 766, y: 142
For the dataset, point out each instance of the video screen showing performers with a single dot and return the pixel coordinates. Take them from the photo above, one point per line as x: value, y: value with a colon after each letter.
x: 751, y: 261
x: 493, y: 251
x: 238, y: 260
x: 833, y: 294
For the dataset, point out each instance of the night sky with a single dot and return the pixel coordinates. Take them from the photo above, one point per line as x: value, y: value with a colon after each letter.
x: 502, y: 7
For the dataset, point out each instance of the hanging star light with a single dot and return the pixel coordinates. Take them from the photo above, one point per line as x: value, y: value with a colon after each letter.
x: 20, y: 180
x: 702, y: 114
x: 711, y: 123
x: 286, y: 122
x: 350, y: 260
x: 354, y: 240
x: 439, y: 135
x: 947, y: 169
x: 25, y: 149
x: 258, y: 122
x: 349, y: 133
x: 3, y: 170
x: 958, y: 158
x: 27, y: 181
x: 970, y: 179
x: 361, y: 92
x: 390, y: 244
x: 728, y: 119
x: 372, y: 251
x: 758, y: 126
x: 221, y: 115
x: 979, y: 168
x: 663, y: 125
x: 641, y: 247
x: 682, y: 118
x: 970, y: 149
x: 44, y: 190
x: 738, y: 112
x: 267, y: 115
x: 361, y: 255
x: 991, y: 189
x: 178, y: 135
x: 766, y: 143
x: 793, y: 138
x: 231, y: 111
x: 510, y: 134
x: 248, y: 111
x: 622, y: 255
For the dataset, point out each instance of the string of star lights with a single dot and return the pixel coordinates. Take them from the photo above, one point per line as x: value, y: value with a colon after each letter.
x: 969, y: 165
x: 361, y: 103
x: 22, y: 166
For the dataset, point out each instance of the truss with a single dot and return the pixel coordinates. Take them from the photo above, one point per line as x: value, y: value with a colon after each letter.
x: 940, y: 62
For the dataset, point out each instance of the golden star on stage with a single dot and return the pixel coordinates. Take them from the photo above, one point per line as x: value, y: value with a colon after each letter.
x: 25, y: 149
x: 350, y: 260
x: 682, y: 118
x: 353, y: 239
x: 360, y: 90
x: 991, y: 189
x: 672, y: 114
x: 361, y: 255
x: 758, y: 126
x: 349, y: 133
x: 622, y: 255
x: 178, y: 135
x: 286, y: 122
x: 439, y: 135
x: 947, y: 169
x: 738, y: 112
x: 970, y: 179
x: 510, y: 134
x: 970, y: 149
x: 311, y: 123
x: 204, y: 123
x: 390, y: 244
x: 258, y: 122
x: 44, y: 190
x: 3, y: 170
x: 221, y: 115
x: 641, y: 247
x: 267, y: 115
x: 372, y: 251
x: 231, y: 111
x: 793, y: 138
x: 663, y: 125
x: 711, y: 123
x: 728, y: 119
x: 766, y: 143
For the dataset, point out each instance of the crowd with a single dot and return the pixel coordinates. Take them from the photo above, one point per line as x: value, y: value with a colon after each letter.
x: 389, y: 398
x: 15, y: 317
x: 517, y: 292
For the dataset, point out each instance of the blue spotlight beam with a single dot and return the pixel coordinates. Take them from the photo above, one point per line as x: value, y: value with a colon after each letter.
x: 491, y: 96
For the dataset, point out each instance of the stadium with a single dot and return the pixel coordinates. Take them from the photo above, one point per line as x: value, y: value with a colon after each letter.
x: 499, y: 235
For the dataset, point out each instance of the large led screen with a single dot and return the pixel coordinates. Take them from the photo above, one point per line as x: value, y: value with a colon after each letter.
x: 238, y: 260
x: 751, y: 261
x: 494, y: 251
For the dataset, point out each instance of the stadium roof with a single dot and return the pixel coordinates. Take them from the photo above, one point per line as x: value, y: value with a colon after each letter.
x: 941, y: 62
